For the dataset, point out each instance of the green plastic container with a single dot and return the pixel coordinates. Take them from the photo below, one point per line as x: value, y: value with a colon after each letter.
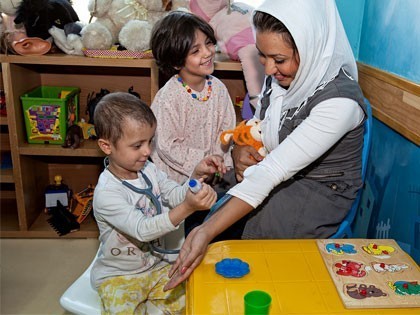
x: 49, y: 111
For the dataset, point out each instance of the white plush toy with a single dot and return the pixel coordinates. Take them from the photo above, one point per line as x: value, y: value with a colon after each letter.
x: 7, y: 27
x: 127, y: 22
x: 71, y: 43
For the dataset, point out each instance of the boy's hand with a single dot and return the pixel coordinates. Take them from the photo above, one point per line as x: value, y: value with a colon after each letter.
x: 202, y: 200
x: 209, y: 166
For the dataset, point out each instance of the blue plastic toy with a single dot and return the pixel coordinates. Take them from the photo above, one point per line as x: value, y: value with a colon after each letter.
x: 232, y: 268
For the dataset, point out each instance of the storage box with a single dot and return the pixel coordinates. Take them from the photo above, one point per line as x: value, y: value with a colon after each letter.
x: 49, y: 111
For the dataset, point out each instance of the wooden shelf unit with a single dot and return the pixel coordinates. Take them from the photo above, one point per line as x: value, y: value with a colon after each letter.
x: 8, y: 207
x: 35, y: 165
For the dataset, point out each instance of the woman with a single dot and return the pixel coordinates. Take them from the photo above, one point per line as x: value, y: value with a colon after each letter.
x: 313, y: 113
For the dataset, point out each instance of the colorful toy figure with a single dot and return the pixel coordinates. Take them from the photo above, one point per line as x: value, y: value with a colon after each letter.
x: 340, y: 249
x: 350, y: 268
x: 247, y: 132
x: 379, y: 251
x: 56, y: 192
x: 87, y: 129
x: 81, y: 204
x: 362, y: 291
x: 405, y: 287
x: 392, y: 268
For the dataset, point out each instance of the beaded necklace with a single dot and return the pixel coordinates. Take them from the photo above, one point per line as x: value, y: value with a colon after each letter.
x: 190, y: 90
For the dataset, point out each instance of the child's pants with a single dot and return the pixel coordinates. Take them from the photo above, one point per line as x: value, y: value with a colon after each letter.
x: 129, y: 294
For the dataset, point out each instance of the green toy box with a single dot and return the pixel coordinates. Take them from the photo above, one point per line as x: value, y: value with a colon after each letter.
x: 49, y: 111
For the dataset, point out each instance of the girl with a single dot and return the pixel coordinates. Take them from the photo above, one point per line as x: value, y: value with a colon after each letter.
x: 193, y: 107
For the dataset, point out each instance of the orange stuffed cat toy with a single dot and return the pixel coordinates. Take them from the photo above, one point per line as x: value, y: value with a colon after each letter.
x: 247, y: 132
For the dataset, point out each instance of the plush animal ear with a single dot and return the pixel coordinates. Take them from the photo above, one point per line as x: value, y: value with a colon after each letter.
x: 226, y: 136
x: 31, y: 46
x: 253, y: 122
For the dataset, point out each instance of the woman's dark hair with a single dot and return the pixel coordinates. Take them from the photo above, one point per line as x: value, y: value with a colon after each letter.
x: 265, y: 22
x: 172, y: 38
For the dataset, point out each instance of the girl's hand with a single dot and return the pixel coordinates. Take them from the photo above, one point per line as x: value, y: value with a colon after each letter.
x: 190, y: 256
x: 202, y: 200
x: 209, y: 166
x: 244, y: 156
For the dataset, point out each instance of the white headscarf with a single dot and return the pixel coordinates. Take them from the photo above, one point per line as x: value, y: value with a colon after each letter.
x: 323, y: 47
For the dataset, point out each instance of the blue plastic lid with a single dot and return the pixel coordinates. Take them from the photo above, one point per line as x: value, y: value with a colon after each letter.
x: 194, y: 185
x: 232, y: 268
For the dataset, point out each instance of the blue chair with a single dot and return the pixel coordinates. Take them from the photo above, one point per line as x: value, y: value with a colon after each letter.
x: 344, y: 229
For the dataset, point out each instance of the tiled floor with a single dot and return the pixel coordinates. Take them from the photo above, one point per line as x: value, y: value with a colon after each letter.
x: 36, y: 272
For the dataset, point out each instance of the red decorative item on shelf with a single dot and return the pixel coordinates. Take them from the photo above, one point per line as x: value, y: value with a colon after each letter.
x: 3, y: 111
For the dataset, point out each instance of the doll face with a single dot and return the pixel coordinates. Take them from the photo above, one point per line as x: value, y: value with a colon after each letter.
x: 130, y: 153
x: 200, y: 60
x: 277, y: 57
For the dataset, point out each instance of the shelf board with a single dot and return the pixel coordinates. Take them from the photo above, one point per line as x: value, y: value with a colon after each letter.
x: 6, y: 176
x: 88, y: 148
x: 71, y: 60
x: 41, y: 229
x: 222, y: 61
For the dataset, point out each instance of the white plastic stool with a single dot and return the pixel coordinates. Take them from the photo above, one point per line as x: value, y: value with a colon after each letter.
x: 81, y: 299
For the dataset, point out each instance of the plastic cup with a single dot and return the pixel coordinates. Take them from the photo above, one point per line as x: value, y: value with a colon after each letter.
x: 257, y: 302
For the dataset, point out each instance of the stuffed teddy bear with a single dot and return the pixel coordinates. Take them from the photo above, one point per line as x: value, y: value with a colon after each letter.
x: 126, y: 22
x: 247, y: 132
x: 232, y: 24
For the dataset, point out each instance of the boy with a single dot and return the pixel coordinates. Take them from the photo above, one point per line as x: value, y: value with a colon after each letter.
x: 127, y: 205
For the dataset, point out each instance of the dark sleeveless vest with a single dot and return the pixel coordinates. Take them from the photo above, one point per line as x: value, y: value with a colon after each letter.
x: 314, y: 202
x: 345, y: 156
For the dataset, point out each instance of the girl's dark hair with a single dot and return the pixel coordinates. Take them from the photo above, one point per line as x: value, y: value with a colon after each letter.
x: 265, y: 22
x: 114, y: 109
x: 172, y: 38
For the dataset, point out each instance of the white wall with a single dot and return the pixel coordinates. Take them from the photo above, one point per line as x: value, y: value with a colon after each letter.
x: 81, y: 8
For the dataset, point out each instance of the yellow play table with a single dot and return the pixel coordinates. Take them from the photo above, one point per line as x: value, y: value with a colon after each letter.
x: 291, y: 271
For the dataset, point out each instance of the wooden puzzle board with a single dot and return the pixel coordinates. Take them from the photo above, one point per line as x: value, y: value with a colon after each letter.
x: 371, y: 273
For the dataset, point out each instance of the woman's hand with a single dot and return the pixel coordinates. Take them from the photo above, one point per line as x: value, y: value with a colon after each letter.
x: 190, y: 256
x: 243, y: 157
x: 195, y: 246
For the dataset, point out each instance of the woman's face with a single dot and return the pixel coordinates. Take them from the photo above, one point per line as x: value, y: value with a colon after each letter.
x: 278, y: 57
